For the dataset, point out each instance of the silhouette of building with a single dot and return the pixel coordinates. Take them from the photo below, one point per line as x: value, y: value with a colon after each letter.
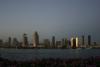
x: 89, y: 40
x: 74, y: 43
x: 9, y: 41
x: 53, y: 42
x: 94, y: 43
x: 15, y: 42
x: 1, y: 43
x: 83, y: 43
x: 68, y: 43
x: 64, y: 43
x: 58, y: 44
x: 35, y: 39
x: 25, y: 40
x: 47, y: 43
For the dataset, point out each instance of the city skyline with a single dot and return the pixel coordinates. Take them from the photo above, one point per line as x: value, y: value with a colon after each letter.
x: 35, y: 39
x: 73, y: 42
x: 59, y: 18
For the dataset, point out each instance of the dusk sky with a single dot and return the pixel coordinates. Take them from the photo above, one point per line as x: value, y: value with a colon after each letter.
x: 61, y: 18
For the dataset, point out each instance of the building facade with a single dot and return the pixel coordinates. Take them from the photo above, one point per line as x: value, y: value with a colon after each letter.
x: 35, y: 39
x: 25, y: 40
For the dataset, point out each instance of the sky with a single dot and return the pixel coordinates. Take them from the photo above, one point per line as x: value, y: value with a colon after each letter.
x: 59, y: 18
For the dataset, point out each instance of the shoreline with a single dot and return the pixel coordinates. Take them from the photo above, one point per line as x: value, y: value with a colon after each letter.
x: 49, y: 48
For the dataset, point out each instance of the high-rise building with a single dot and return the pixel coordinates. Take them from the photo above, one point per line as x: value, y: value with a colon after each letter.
x: 35, y: 39
x: 53, y: 42
x: 25, y: 40
x: 89, y: 40
x: 83, y: 43
x: 9, y: 42
x: 1, y: 43
x: 15, y: 42
x: 47, y: 43
x: 58, y: 44
x: 77, y: 42
x: 63, y: 41
x: 74, y: 42
x: 66, y: 42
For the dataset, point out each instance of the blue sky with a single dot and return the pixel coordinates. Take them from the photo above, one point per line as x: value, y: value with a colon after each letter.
x: 61, y: 18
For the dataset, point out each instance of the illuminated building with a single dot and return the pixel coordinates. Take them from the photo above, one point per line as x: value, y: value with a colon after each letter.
x: 25, y: 40
x: 74, y: 42
x: 35, y: 39
x: 77, y: 42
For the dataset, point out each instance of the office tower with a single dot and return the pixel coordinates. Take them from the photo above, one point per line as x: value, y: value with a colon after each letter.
x: 72, y: 42
x: 47, y: 43
x: 35, y: 39
x: 63, y: 41
x: 1, y: 42
x: 77, y: 42
x: 53, y: 42
x: 94, y: 43
x: 15, y: 42
x: 9, y: 41
x: 83, y: 43
x: 89, y: 40
x: 25, y: 40
x: 69, y: 43
x: 66, y: 43
x: 58, y: 44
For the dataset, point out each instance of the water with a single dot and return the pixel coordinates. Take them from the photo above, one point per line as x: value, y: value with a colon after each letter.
x: 29, y: 54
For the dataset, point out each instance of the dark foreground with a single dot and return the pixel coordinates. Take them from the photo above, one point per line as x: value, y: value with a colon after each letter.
x: 50, y: 62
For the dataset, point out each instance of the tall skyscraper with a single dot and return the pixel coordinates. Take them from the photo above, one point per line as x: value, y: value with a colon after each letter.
x: 47, y: 43
x: 1, y: 42
x: 74, y: 42
x: 53, y: 42
x: 83, y: 43
x: 15, y: 42
x: 9, y: 41
x: 63, y: 43
x: 89, y: 40
x: 66, y: 42
x: 35, y: 39
x: 77, y: 42
x: 58, y: 44
x: 25, y: 40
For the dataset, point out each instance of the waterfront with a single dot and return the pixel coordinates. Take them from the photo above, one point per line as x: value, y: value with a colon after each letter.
x: 32, y: 54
